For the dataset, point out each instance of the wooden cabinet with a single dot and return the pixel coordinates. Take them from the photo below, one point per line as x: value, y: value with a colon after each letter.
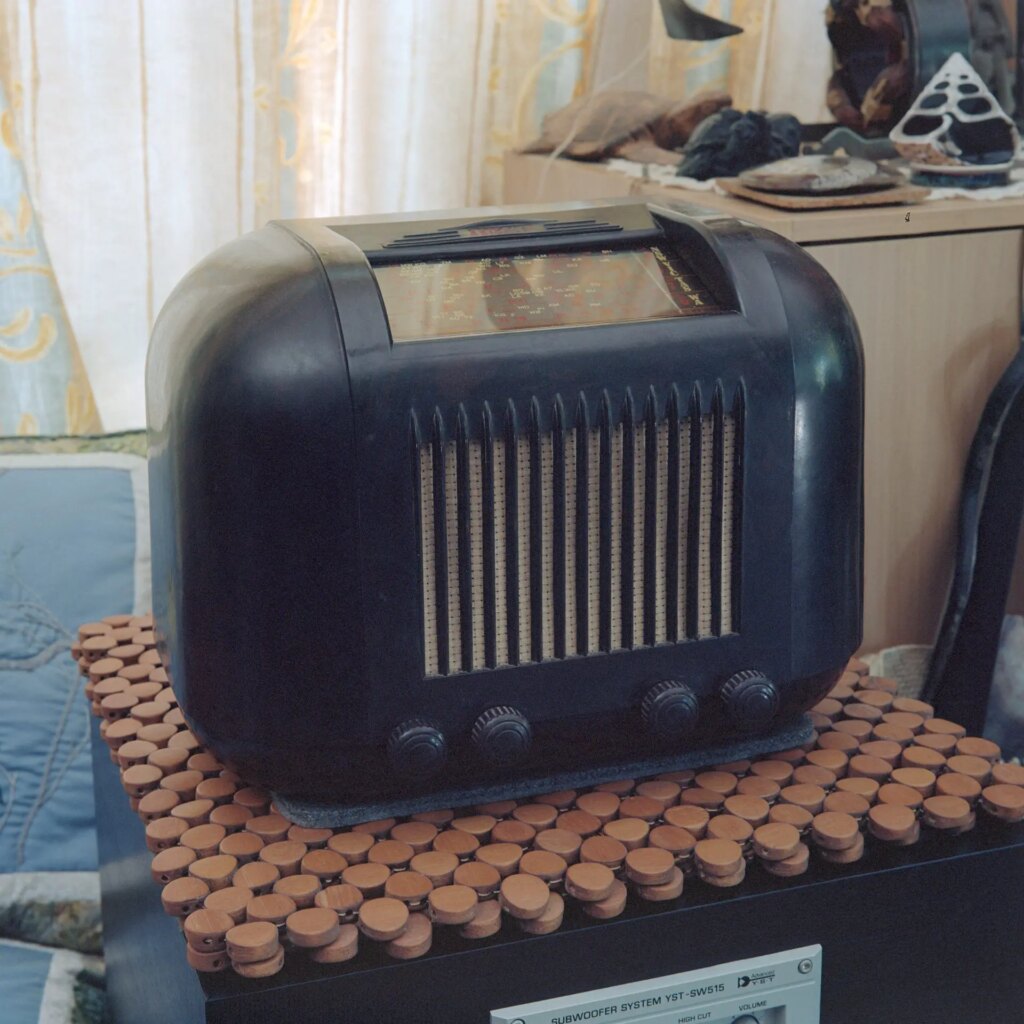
x: 936, y: 289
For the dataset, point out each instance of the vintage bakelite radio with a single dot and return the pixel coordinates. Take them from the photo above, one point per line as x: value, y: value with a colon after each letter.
x: 499, y: 496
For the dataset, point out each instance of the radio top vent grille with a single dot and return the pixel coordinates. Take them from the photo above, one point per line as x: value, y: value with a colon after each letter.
x: 590, y: 537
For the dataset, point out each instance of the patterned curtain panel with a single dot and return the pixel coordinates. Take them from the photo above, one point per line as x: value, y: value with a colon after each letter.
x: 43, y: 385
x: 155, y: 131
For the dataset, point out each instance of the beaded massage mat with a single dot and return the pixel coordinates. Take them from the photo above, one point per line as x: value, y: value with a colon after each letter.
x: 250, y: 888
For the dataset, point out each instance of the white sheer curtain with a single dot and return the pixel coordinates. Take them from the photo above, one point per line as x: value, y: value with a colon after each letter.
x: 155, y: 130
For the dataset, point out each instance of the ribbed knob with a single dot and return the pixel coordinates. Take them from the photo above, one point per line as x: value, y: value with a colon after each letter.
x: 751, y: 700
x: 670, y: 709
x: 417, y: 747
x: 503, y: 735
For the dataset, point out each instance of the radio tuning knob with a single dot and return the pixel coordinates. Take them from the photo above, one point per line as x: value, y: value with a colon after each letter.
x: 502, y: 735
x: 418, y: 748
x: 751, y: 700
x: 670, y: 709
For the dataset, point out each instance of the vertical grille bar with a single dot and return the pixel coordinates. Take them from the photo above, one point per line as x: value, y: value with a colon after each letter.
x: 464, y: 507
x: 440, y: 542
x: 580, y: 600
x: 628, y: 514
x: 734, y: 478
x: 489, y: 555
x: 693, y: 515
x: 560, y: 540
x: 527, y: 537
x: 502, y: 627
x: 512, y: 534
x: 673, y: 487
x: 607, y: 528
x: 717, y: 539
x: 538, y: 536
x: 705, y: 541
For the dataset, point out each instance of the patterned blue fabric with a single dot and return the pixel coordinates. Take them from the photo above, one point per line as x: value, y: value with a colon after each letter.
x: 67, y: 551
x: 23, y: 971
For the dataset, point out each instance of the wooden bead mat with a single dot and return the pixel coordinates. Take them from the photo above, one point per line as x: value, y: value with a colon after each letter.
x: 250, y: 888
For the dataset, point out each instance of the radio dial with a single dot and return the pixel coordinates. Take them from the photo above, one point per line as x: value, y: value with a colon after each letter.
x: 670, y: 709
x: 751, y: 700
x: 417, y: 747
x: 502, y: 735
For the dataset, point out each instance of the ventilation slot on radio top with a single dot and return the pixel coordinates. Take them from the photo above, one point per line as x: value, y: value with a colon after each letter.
x: 610, y: 529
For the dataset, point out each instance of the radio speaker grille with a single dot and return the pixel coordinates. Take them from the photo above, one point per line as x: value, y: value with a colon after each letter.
x: 579, y: 538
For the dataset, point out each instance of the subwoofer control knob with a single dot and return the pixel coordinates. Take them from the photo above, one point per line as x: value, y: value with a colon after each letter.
x: 418, y: 748
x: 502, y: 735
x: 751, y: 700
x: 670, y: 709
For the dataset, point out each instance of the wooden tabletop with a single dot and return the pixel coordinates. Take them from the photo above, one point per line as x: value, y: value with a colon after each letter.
x: 533, y: 178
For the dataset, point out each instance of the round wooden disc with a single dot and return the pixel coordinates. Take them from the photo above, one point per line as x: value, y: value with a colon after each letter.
x: 195, y: 812
x: 285, y: 855
x: 886, y: 750
x: 651, y: 865
x: 549, y: 920
x: 593, y: 881
x: 834, y: 761
x: 604, y: 806
x: 940, y: 742
x: 391, y: 853
x: 537, y: 816
x: 775, y: 841
x: 435, y: 865
x: 778, y: 771
x: 670, y: 889
x: 866, y: 788
x: 408, y: 886
x: 946, y: 812
x: 920, y: 779
x: 343, y: 948
x: 718, y: 856
x: 483, y: 878
x: 383, y: 918
x: 204, y: 839
x: 861, y: 712
x: 439, y: 816
x: 417, y: 834
x: 951, y: 784
x: 789, y: 814
x: 677, y: 841
x: 353, y: 846
x: 208, y: 962
x: 171, y: 863
x: 454, y: 904
x: 833, y: 830
x: 891, y: 822
x: 754, y: 786
x: 876, y: 697
x: 829, y: 707
x: 502, y: 857
x: 790, y: 867
x: 497, y: 809
x: 631, y: 832
x: 642, y: 807
x: 810, y: 798
x: 274, y: 907
x: 728, y: 826
x: 749, y: 808
x: 164, y: 833
x: 312, y: 927
x: 486, y: 921
x: 157, y: 804
x: 908, y: 705
x: 300, y: 889
x: 253, y: 798
x: 865, y: 766
x: 847, y: 803
x: 243, y: 846
x: 220, y: 791
x: 1004, y: 801
x: 232, y: 817
x: 603, y: 850
x: 311, y: 838
x: 897, y: 793
x: 232, y: 901
x: 717, y: 782
x: 562, y: 799
x: 917, y: 756
x: 252, y: 942
x: 378, y: 829
x: 841, y: 741
x: 693, y: 819
x: 662, y: 790
x: 525, y: 896
x: 548, y: 866
x: 561, y: 841
x: 1008, y: 774
x: 580, y: 822
x: 512, y: 831
x: 140, y: 779
x: 944, y: 727
x: 977, y: 746
x: 216, y: 871
x: 343, y: 899
x: 323, y: 864
x: 860, y: 730
x: 725, y: 881
x: 847, y: 855
x: 258, y: 876
x: 262, y: 968
x: 414, y: 941
x: 890, y: 733
x: 968, y: 764
x: 620, y: 787
x: 136, y: 752
x: 462, y: 844
x: 368, y: 878
x: 183, y: 895
x: 271, y: 828
x: 611, y: 906
x: 477, y: 825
